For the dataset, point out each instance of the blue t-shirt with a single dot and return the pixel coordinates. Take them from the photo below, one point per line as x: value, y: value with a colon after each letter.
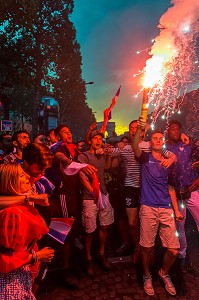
x: 154, y: 182
x: 183, y: 174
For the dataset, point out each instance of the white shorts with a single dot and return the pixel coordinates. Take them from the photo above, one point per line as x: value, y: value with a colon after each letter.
x: 90, y: 211
x: 153, y: 219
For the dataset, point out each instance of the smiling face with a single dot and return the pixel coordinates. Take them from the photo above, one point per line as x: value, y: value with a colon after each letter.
x: 174, y: 133
x: 13, y: 179
x: 24, y: 182
x: 65, y: 135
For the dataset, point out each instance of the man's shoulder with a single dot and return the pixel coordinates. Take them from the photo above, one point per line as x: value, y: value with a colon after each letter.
x: 55, y: 146
x: 179, y: 146
x: 144, y: 157
x: 85, y: 156
x: 10, y: 158
x: 61, y: 148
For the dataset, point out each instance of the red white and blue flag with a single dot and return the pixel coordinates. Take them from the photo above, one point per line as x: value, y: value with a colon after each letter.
x: 107, y: 112
x: 59, y: 228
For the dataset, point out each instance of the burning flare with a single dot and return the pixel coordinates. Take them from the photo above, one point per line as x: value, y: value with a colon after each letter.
x: 172, y: 68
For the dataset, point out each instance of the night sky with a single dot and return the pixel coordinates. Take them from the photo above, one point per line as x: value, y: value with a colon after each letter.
x: 110, y: 32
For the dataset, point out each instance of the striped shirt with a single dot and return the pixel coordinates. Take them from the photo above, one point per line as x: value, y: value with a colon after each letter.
x: 132, y: 167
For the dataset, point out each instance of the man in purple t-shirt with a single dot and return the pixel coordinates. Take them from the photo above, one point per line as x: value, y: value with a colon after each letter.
x: 185, y: 181
x: 156, y: 212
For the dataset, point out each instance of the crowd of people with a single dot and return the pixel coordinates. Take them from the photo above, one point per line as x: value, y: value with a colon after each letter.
x: 144, y: 187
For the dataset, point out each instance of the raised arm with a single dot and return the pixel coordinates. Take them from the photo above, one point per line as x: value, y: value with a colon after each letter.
x: 136, y: 139
x: 91, y: 128
x: 62, y: 159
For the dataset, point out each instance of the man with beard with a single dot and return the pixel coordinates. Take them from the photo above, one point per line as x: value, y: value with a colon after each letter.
x: 93, y: 207
x: 67, y: 198
x: 20, y: 140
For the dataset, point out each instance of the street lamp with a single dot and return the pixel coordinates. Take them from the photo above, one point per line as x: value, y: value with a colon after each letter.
x: 90, y: 82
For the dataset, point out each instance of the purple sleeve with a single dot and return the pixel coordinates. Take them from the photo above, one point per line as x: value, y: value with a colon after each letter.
x: 144, y: 158
x: 60, y: 149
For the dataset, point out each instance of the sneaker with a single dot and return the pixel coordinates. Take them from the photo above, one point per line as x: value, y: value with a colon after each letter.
x: 170, y: 288
x: 136, y: 257
x: 89, y: 268
x: 103, y: 261
x: 148, y: 287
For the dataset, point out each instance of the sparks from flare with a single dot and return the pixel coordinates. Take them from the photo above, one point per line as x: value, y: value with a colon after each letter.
x: 173, y: 65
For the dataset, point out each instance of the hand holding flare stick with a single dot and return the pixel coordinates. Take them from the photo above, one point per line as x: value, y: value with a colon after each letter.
x: 145, y: 102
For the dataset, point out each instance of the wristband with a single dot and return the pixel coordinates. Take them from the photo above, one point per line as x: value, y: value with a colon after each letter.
x: 26, y: 199
x: 34, y: 257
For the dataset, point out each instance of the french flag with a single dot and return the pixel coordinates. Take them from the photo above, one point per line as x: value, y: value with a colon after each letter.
x: 107, y: 112
x: 59, y: 228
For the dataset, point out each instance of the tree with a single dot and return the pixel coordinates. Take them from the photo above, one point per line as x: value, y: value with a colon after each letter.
x: 40, y: 53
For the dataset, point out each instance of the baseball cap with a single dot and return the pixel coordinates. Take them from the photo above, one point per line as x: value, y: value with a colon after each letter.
x: 94, y: 133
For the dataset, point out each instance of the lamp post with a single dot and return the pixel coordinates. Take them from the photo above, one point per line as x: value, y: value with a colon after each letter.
x: 90, y: 82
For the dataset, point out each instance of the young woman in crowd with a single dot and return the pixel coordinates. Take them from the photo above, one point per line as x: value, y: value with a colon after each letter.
x: 20, y: 227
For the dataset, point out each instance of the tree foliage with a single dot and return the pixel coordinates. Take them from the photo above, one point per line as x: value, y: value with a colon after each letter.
x: 40, y: 55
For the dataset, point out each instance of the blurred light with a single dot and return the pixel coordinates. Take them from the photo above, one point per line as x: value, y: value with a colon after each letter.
x: 163, y: 117
x: 179, y: 112
x: 186, y: 29
x: 138, y: 52
x: 177, y: 234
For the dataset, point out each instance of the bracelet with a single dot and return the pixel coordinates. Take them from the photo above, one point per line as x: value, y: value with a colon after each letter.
x: 26, y: 199
x: 34, y: 257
